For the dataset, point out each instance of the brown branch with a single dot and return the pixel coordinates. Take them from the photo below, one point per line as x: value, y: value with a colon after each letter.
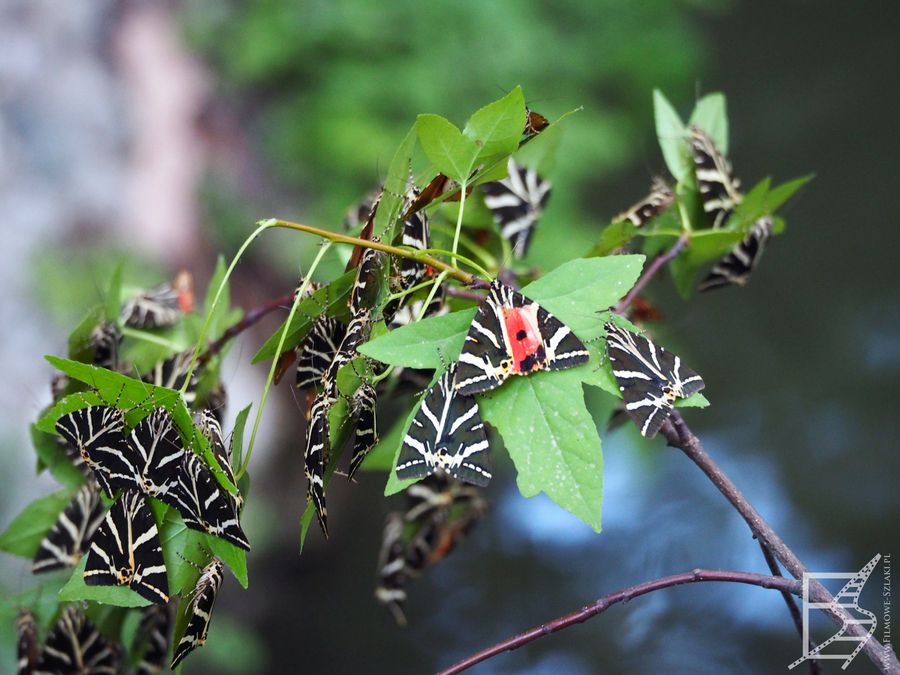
x: 677, y: 433
x: 251, y: 318
x: 607, y: 601
x: 814, y: 667
x: 651, y: 272
x: 455, y: 292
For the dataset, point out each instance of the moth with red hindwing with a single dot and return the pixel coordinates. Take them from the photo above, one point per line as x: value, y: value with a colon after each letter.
x: 205, y: 506
x: 317, y: 449
x: 535, y: 123
x: 649, y: 377
x: 362, y: 409
x: 95, y: 431
x: 719, y: 189
x: 202, y: 601
x: 661, y: 197
x: 517, y: 203
x: 126, y: 551
x: 735, y: 268
x: 512, y: 335
x: 447, y: 436
x: 76, y: 646
x: 68, y: 539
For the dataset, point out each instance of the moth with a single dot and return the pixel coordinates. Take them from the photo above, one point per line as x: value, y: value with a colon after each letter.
x: 512, y: 335
x: 315, y: 457
x: 318, y: 350
x: 212, y: 430
x: 69, y: 537
x: 76, y: 646
x: 158, y: 307
x: 95, y: 431
x: 649, y: 377
x: 362, y: 409
x: 202, y: 601
x: 517, y: 203
x: 153, y: 634
x: 737, y: 266
x: 719, y: 189
x: 660, y: 198
x: 126, y: 551
x: 447, y: 436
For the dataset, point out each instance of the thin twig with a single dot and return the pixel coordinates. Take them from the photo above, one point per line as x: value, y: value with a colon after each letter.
x: 251, y: 318
x: 677, y: 433
x: 794, y: 611
x: 607, y: 601
x: 456, y: 273
x: 650, y: 272
x: 455, y: 292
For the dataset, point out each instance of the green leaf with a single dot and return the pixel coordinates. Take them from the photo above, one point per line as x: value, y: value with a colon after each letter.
x: 710, y: 115
x: 697, y: 400
x: 381, y: 457
x: 235, y: 558
x: 422, y: 344
x: 220, y: 319
x: 777, y: 196
x: 497, y: 127
x: 183, y: 548
x: 76, y: 589
x: 444, y: 144
x: 575, y: 291
x: 80, y: 339
x: 52, y: 456
x: 126, y: 392
x: 613, y: 237
x: 330, y: 299
x: 387, y: 216
x: 82, y: 399
x: 671, y: 133
x: 540, y: 152
x: 237, y: 436
x: 114, y: 295
x: 551, y: 439
x: 23, y: 536
x: 704, y: 246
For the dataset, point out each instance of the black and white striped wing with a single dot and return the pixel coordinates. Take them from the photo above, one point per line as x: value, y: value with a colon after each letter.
x: 211, y: 427
x: 153, y: 636
x: 390, y: 588
x: 156, y: 308
x: 719, y: 189
x: 96, y: 432
x: 172, y: 372
x: 315, y: 457
x: 660, y: 198
x: 126, y: 551
x: 152, y: 459
x: 26, y: 643
x: 318, y: 350
x: 362, y: 408
x: 205, y: 506
x: 75, y: 646
x: 446, y: 435
x: 736, y: 267
x: 203, y: 599
x: 517, y: 203
x: 357, y: 332
x: 649, y: 377
x: 416, y: 234
x: 68, y: 539
x: 104, y: 341
x: 512, y: 335
x: 364, y: 293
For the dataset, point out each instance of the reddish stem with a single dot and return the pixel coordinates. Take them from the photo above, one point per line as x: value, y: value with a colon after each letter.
x: 252, y: 317
x: 650, y: 272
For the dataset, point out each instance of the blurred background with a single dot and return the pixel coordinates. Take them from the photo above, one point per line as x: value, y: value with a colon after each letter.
x: 158, y: 132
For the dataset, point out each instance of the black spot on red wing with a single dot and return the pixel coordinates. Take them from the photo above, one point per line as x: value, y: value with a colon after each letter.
x: 534, y: 361
x: 521, y: 335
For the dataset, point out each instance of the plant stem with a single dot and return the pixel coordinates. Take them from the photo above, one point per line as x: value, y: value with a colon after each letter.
x: 211, y: 310
x: 607, y: 601
x: 814, y: 668
x: 650, y: 272
x: 459, y: 217
x: 452, y: 270
x: 298, y: 297
x: 678, y: 435
x: 251, y: 318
